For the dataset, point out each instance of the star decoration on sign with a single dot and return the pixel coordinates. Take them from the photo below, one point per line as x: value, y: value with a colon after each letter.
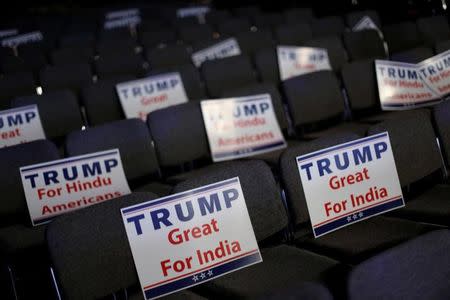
x: 210, y: 273
x: 202, y: 275
x: 355, y: 217
x: 195, y: 278
x: 349, y: 219
x: 361, y: 214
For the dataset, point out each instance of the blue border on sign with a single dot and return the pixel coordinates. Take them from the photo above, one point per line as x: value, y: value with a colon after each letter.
x: 248, y: 150
x: 416, y: 104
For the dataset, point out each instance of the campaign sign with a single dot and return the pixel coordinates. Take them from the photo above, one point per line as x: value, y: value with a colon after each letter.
x: 191, y: 237
x: 14, y: 41
x: 8, y: 32
x: 61, y: 186
x: 20, y: 125
x: 196, y: 11
x: 226, y: 48
x: 122, y: 22
x: 365, y: 23
x: 295, y: 61
x: 142, y: 96
x: 122, y: 13
x: 241, y: 127
x: 435, y: 73
x: 350, y: 182
x: 400, y: 86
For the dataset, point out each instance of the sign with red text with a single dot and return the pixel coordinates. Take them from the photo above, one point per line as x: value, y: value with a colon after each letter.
x: 435, y: 73
x: 241, y: 127
x: 226, y: 48
x: 350, y: 182
x: 400, y: 86
x: 295, y: 61
x: 20, y: 125
x: 142, y: 96
x: 61, y: 186
x: 190, y: 238
x: 25, y: 38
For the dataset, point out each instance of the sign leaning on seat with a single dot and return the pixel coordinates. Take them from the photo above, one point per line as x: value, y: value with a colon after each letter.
x: 226, y: 48
x: 142, y: 96
x: 295, y: 61
x: 407, y: 86
x: 241, y: 127
x: 191, y: 237
x: 21, y: 39
x: 350, y: 182
x: 61, y: 186
x: 20, y: 125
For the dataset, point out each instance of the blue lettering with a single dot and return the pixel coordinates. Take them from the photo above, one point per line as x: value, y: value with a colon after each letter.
x: 160, y: 216
x: 137, y: 223
x: 363, y: 157
x: 211, y: 206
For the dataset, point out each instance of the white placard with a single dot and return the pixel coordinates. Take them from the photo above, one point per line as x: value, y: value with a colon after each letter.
x: 68, y: 184
x: 196, y: 11
x: 350, y: 182
x: 435, y: 73
x: 122, y: 13
x: 401, y: 87
x: 122, y: 22
x: 226, y: 48
x: 190, y: 238
x: 295, y: 61
x: 14, y: 41
x: 142, y: 96
x: 364, y: 24
x: 8, y: 32
x: 20, y: 125
x: 241, y: 127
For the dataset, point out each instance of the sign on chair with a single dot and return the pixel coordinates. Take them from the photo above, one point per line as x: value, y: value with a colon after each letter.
x: 241, y: 127
x: 350, y: 182
x: 226, y: 48
x: 191, y: 237
x: 60, y: 186
x: 142, y: 96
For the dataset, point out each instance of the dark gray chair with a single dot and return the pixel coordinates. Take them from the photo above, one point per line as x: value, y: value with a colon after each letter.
x: 364, y: 45
x: 293, y: 34
x: 72, y: 77
x: 433, y: 29
x: 413, y: 56
x: 401, y: 36
x: 336, y: 52
x: 15, y: 85
x: 354, y: 17
x: 326, y: 26
x: 298, y: 15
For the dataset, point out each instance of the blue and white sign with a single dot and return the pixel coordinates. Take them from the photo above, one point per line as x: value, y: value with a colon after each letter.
x: 142, y: 96
x: 196, y: 11
x: 125, y: 13
x: 131, y: 21
x: 20, y: 125
x: 190, y: 238
x: 435, y: 73
x: 8, y: 32
x: 366, y: 23
x: 350, y: 182
x: 26, y: 38
x: 295, y: 61
x: 241, y: 127
x: 61, y: 186
x: 226, y: 48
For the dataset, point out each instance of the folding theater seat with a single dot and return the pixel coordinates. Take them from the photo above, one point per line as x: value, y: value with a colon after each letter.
x: 71, y: 77
x: 116, y: 47
x: 316, y: 105
x: 155, y: 38
x: 414, y: 55
x: 351, y: 244
x: 113, y: 65
x: 267, y: 21
x: 433, y: 29
x: 170, y: 56
x: 227, y: 73
x: 58, y: 110
x: 352, y: 18
x: 14, y: 85
x: 78, y: 39
x: 336, y: 52
x: 418, y: 270
x: 111, y: 35
x: 195, y: 33
x: 401, y: 36
x: 419, y: 166
x: 247, y: 11
x: 298, y: 15
x: 75, y: 55
x: 214, y: 17
x: 182, y: 22
x: 134, y: 142
x: 105, y: 253
x: 442, y: 46
x: 233, y: 26
x: 34, y: 55
x: 326, y: 26
x: 308, y: 290
x: 101, y: 101
x: 293, y: 34
x: 283, y: 267
x: 251, y: 42
x: 266, y: 63
x: 364, y: 44
x: 153, y: 24
x: 11, y: 64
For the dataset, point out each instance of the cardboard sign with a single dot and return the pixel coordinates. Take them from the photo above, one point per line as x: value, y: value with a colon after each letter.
x: 295, y: 61
x: 365, y: 23
x: 142, y: 96
x: 65, y: 185
x: 435, y: 73
x: 196, y: 11
x: 20, y: 125
x: 350, y: 182
x: 226, y: 48
x: 241, y: 127
x: 122, y: 13
x: 26, y: 38
x: 122, y: 22
x: 8, y: 32
x: 191, y: 237
x: 400, y: 86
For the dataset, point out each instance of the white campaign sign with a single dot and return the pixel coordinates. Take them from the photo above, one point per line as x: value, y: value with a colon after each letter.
x: 364, y: 24
x: 400, y: 86
x: 350, y: 182
x: 142, y: 96
x: 191, y: 237
x: 122, y: 22
x: 122, y: 13
x: 241, y: 127
x: 435, y: 73
x: 295, y: 61
x: 35, y: 36
x: 20, y: 125
x: 8, y: 32
x: 226, y: 48
x: 68, y: 184
x: 197, y: 11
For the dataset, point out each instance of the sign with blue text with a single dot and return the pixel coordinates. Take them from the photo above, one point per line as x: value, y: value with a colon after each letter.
x: 194, y: 11
x: 131, y: 21
x: 191, y: 237
x: 20, y: 125
x: 8, y: 32
x: 295, y: 61
x: 435, y: 73
x: 125, y: 13
x: 142, y: 96
x: 226, y: 48
x: 241, y: 127
x: 366, y: 23
x: 61, y: 186
x: 349, y: 183
x: 25, y: 38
